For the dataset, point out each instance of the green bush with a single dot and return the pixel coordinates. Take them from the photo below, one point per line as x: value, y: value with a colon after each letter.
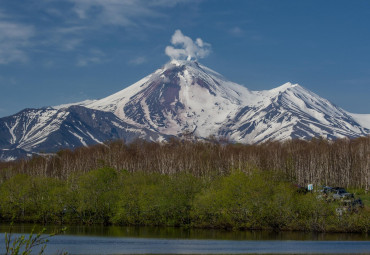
x: 238, y: 200
x: 154, y: 199
x: 244, y: 201
x: 15, y: 197
x: 97, y: 195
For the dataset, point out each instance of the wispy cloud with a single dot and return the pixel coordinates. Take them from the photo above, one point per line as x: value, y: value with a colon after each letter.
x: 65, y: 38
x: 73, y: 26
x: 71, y: 44
x: 138, y: 61
x: 14, y: 38
x: 236, y: 31
x: 92, y: 57
x: 121, y: 12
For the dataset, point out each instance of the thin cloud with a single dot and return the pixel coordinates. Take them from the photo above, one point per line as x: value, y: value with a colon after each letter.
x: 138, y: 61
x: 14, y: 39
x: 256, y: 37
x: 236, y: 31
x: 66, y: 38
x: 71, y: 44
x: 72, y: 24
x: 126, y: 13
x: 189, y: 49
x: 94, y: 57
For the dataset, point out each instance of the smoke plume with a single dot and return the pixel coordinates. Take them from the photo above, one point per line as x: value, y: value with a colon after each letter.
x: 187, y: 48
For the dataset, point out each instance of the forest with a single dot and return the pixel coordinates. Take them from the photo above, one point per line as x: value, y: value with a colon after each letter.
x: 342, y: 162
x: 201, y: 184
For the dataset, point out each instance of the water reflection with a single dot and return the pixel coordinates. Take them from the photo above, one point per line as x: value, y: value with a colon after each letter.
x: 182, y: 233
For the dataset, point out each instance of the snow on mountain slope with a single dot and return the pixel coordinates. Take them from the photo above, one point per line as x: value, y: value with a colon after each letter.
x: 291, y: 111
x: 49, y: 130
x: 184, y: 96
x: 83, y: 103
x: 362, y: 119
x: 31, y: 127
x: 181, y: 97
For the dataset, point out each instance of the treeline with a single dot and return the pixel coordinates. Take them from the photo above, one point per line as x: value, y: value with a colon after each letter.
x: 343, y: 162
x: 238, y: 200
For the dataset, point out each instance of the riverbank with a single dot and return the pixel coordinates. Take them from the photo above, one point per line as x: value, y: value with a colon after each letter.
x: 237, y: 201
x: 113, y: 231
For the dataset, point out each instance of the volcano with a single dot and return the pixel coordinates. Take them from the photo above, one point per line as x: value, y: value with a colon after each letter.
x: 182, y: 97
x: 185, y: 96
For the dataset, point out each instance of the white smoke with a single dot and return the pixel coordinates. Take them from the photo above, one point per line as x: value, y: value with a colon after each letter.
x: 188, y: 49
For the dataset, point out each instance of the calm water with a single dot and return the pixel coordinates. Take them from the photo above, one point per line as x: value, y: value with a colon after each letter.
x: 146, y: 240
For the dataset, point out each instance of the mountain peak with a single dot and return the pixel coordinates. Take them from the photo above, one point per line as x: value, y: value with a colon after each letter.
x: 178, y: 62
x: 181, y: 97
x: 284, y: 87
x: 184, y: 95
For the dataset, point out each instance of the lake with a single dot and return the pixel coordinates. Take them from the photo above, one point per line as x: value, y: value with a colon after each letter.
x: 159, y: 240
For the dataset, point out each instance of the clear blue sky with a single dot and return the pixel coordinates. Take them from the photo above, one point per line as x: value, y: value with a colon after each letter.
x: 62, y: 51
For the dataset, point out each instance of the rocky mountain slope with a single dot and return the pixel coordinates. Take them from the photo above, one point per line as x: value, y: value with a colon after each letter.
x: 49, y: 130
x: 181, y: 97
x: 186, y: 96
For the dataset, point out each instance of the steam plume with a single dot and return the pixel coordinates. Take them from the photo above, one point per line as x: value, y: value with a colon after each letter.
x: 188, y: 49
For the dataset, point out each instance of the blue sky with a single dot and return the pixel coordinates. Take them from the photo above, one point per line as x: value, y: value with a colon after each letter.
x: 61, y: 51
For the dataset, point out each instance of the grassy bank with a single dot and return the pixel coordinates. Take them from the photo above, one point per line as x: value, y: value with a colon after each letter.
x: 237, y: 200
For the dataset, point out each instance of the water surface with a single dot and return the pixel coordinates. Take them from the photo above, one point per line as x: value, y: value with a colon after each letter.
x: 151, y: 240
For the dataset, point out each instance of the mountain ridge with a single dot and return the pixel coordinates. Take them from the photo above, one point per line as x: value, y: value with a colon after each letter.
x: 194, y: 106
x: 181, y: 97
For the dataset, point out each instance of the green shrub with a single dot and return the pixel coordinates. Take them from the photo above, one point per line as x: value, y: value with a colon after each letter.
x: 238, y: 200
x: 97, y: 195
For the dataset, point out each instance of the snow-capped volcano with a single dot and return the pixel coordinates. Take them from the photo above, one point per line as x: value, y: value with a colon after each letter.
x: 185, y: 96
x: 181, y: 97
